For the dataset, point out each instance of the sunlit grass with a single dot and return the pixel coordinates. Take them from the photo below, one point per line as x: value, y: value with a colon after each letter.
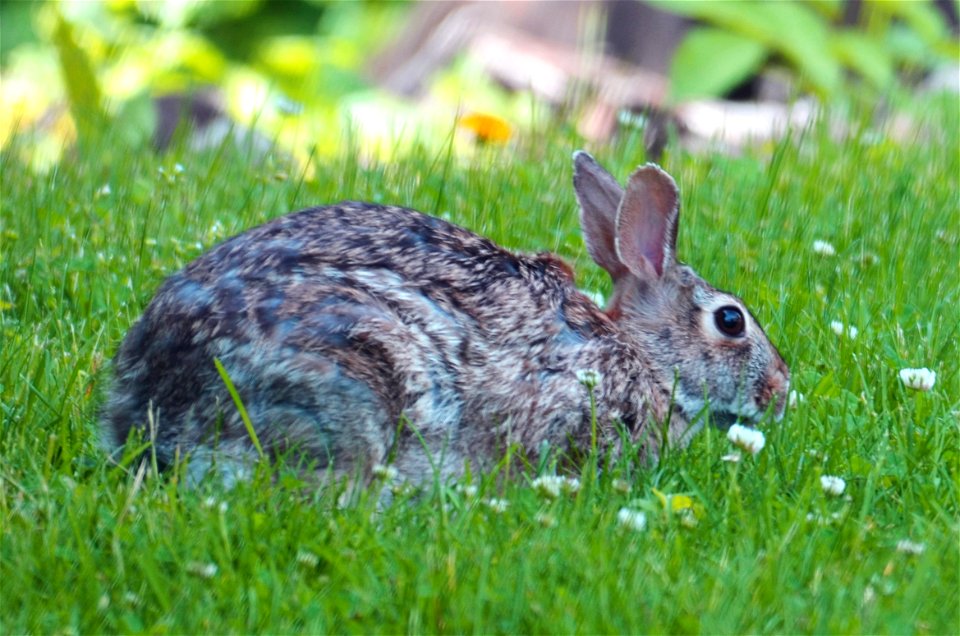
x: 757, y: 544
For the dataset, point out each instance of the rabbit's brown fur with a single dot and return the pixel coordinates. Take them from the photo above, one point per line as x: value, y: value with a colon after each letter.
x: 355, y: 333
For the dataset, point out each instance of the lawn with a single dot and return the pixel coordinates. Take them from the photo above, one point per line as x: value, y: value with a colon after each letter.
x: 756, y: 546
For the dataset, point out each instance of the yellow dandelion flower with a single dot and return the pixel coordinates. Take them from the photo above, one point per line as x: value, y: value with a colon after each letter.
x: 487, y: 128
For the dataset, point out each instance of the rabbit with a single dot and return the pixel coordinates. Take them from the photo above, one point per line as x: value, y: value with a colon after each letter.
x: 360, y: 335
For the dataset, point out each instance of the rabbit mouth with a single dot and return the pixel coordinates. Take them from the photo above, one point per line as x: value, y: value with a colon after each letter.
x: 723, y: 420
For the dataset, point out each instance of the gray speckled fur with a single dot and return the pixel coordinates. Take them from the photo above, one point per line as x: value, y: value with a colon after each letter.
x: 337, y: 323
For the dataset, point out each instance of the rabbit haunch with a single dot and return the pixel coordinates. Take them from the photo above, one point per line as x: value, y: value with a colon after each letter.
x: 357, y: 333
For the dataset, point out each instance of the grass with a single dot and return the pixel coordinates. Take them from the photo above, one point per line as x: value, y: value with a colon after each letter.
x: 91, y: 547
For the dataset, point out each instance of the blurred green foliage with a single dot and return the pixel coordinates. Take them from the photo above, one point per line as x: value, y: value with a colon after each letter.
x: 271, y: 60
x: 15, y: 27
x: 294, y: 69
x: 291, y: 69
x: 736, y: 39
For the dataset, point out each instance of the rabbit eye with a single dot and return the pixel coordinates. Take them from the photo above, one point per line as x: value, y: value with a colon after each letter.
x: 729, y: 321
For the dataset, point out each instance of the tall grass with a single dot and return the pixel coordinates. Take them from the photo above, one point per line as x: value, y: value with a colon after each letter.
x: 749, y: 546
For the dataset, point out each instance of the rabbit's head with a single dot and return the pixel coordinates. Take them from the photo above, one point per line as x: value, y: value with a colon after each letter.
x: 702, y: 341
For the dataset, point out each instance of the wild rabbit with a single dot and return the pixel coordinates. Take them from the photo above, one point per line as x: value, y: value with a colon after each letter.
x: 359, y: 334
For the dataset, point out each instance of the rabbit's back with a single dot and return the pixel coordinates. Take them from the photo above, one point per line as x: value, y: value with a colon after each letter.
x: 337, y: 323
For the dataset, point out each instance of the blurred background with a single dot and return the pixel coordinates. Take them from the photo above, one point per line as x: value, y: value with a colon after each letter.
x: 306, y: 78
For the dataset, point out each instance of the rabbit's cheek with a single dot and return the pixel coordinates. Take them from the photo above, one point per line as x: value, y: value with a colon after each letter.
x: 692, y: 389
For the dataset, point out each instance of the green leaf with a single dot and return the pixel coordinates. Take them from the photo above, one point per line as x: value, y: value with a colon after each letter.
x: 922, y: 17
x: 83, y: 91
x: 702, y: 9
x: 864, y: 55
x: 906, y: 47
x: 709, y: 62
x: 789, y: 28
x: 830, y: 9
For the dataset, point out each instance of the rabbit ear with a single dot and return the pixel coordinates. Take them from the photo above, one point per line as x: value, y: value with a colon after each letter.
x: 647, y: 222
x: 599, y: 195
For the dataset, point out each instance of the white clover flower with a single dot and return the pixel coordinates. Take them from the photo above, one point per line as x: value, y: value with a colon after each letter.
x: 570, y: 485
x: 906, y: 546
x: 748, y: 439
x: 839, y: 328
x: 203, y: 570
x: 178, y: 168
x: 547, y: 485
x: 497, y: 505
x: 589, y: 377
x: 103, y: 603
x: 103, y: 190
x: 824, y: 248
x: 552, y: 485
x: 632, y: 519
x: 307, y: 558
x: 688, y: 518
x: 469, y: 490
x: 919, y: 379
x: 385, y: 472
x: 795, y: 398
x: 833, y: 486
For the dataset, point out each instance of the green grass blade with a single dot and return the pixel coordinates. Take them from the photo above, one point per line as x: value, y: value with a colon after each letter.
x: 240, y: 407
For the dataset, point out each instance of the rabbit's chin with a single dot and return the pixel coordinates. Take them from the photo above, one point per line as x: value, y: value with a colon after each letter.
x: 725, y: 419
x: 718, y: 418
